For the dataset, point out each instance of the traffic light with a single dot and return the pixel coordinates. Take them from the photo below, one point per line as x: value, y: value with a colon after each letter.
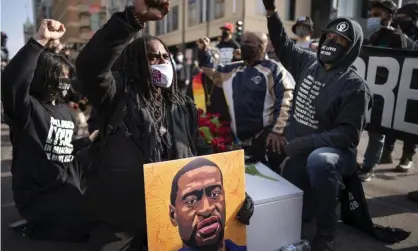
x: 239, y: 31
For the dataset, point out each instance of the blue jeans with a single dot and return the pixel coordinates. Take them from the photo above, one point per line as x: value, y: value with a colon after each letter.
x: 373, y: 152
x: 319, y: 175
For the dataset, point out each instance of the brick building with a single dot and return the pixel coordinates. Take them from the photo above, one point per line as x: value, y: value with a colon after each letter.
x: 81, y: 18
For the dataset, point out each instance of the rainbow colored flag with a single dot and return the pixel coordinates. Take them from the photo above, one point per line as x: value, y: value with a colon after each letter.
x: 199, y: 91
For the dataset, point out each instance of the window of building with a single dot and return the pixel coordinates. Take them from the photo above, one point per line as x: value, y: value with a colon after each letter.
x: 160, y: 27
x: 95, y: 21
x: 217, y: 9
x: 193, y: 13
x: 292, y: 10
x: 203, y: 10
x: 197, y: 11
x: 234, y: 6
x: 170, y: 23
x: 173, y: 19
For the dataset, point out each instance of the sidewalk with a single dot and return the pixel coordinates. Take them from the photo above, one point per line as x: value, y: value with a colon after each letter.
x: 386, y: 197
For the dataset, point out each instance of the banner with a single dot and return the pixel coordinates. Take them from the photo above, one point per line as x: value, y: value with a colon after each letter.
x: 192, y: 203
x: 392, y: 76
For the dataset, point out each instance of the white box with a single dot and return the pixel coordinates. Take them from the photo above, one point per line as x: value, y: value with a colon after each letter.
x: 277, y: 215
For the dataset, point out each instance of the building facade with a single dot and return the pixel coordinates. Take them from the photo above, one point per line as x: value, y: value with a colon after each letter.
x: 80, y: 17
x: 189, y: 20
x: 41, y: 11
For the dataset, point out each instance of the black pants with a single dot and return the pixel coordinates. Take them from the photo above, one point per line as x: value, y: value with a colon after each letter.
x: 58, y: 215
x: 107, y: 238
x: 318, y: 175
x: 409, y: 146
x: 259, y: 151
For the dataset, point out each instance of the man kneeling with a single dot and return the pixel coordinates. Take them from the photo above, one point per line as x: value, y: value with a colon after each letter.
x: 331, y: 102
x: 258, y: 92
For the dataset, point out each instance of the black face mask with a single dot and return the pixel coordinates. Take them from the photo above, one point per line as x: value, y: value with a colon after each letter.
x: 331, y: 51
x: 225, y: 34
x: 247, y: 51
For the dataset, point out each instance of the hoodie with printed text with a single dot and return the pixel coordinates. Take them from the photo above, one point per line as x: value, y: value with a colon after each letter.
x: 330, y: 106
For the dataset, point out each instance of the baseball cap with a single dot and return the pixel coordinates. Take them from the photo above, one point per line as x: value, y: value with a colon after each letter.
x: 303, y: 20
x: 387, y: 4
x: 410, y: 10
x: 342, y: 28
x: 228, y: 26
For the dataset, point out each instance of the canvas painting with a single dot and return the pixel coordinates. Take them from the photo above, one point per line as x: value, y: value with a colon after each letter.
x: 192, y: 203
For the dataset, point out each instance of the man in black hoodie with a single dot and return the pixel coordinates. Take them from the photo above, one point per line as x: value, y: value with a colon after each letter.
x: 330, y: 106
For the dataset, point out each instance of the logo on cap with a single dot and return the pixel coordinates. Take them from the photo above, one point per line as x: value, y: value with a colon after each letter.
x: 342, y: 27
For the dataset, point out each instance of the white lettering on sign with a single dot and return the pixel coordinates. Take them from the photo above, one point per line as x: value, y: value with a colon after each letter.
x: 394, y: 108
x: 405, y: 93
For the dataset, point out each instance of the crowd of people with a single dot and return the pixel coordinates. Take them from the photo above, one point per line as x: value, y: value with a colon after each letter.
x: 296, y: 99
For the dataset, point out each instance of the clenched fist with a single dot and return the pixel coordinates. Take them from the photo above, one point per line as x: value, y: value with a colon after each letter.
x: 151, y: 10
x: 48, y: 31
x: 203, y: 43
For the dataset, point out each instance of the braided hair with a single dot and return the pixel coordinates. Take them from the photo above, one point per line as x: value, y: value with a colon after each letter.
x: 134, y: 65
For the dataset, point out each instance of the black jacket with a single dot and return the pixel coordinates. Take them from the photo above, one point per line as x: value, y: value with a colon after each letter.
x: 43, y: 168
x: 389, y: 38
x: 116, y: 189
x: 330, y: 105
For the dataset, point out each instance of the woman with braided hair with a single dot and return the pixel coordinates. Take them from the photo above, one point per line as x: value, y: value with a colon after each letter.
x: 142, y: 118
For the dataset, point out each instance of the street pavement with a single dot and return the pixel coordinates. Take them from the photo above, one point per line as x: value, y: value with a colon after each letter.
x: 385, y: 193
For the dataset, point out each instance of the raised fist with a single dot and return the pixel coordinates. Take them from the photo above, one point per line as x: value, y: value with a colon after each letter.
x: 151, y: 10
x: 269, y: 4
x: 203, y: 43
x: 49, y: 30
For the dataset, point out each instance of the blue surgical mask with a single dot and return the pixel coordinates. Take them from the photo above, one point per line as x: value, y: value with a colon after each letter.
x: 374, y: 23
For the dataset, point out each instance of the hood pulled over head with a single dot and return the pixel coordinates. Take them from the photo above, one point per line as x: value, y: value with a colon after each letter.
x: 352, y: 31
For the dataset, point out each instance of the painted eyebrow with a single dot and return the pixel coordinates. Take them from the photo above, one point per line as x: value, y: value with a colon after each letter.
x: 209, y: 189
x: 197, y: 193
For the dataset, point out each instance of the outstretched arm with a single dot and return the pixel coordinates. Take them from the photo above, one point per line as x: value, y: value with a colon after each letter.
x: 217, y: 73
x: 97, y: 58
x: 18, y: 74
x: 292, y: 57
x: 95, y: 61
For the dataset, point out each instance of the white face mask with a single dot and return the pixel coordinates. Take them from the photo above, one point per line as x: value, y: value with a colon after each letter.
x: 373, y: 23
x: 162, y: 75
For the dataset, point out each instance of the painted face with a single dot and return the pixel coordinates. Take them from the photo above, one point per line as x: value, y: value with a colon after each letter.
x: 199, y: 210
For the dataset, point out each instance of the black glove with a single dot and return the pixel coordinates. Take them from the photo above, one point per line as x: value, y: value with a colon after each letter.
x: 269, y: 4
x: 297, y: 147
x: 246, y: 211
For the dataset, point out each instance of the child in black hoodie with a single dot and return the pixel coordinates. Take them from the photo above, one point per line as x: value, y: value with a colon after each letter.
x: 329, y: 115
x: 46, y: 184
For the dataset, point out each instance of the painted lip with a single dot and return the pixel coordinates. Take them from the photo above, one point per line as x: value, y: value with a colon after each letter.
x: 208, y: 228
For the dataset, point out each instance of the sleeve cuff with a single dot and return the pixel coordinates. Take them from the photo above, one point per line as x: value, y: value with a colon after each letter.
x: 35, y: 45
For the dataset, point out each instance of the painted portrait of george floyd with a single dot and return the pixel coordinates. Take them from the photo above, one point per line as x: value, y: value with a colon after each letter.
x: 192, y: 203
